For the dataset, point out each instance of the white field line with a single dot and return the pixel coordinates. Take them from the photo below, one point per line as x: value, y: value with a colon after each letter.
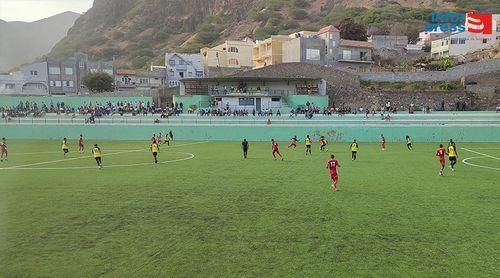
x: 189, y: 156
x: 68, y: 159
x: 466, y: 161
x: 483, y: 154
x: 82, y: 157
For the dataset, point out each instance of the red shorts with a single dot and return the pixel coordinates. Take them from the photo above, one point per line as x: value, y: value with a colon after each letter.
x: 334, y: 176
x: 276, y: 151
x: 442, y: 161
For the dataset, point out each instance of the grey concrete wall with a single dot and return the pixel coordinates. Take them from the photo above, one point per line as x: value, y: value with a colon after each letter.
x: 452, y: 74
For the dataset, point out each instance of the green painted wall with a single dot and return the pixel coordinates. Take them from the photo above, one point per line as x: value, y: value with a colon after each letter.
x: 301, y: 100
x: 253, y: 133
x: 10, y: 101
x: 197, y: 100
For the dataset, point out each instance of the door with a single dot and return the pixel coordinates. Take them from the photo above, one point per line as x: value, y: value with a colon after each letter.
x: 258, y: 104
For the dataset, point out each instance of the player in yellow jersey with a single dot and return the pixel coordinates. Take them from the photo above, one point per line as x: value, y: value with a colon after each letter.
x: 452, y: 154
x: 64, y: 146
x: 167, y: 139
x: 155, y: 149
x: 308, y: 145
x: 408, y: 143
x: 354, y: 149
x: 96, y: 152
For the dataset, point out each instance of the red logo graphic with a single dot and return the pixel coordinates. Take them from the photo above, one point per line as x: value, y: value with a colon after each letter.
x: 479, y: 23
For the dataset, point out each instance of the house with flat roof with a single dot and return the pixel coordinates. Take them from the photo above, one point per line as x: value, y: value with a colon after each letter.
x: 308, y: 49
x: 462, y: 43
x: 228, y: 57
x: 252, y: 93
x: 183, y: 65
x: 355, y: 53
x: 139, y: 79
x: 269, y: 52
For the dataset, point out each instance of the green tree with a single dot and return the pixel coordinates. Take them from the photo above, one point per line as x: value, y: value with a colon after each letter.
x: 98, y: 82
x: 351, y: 30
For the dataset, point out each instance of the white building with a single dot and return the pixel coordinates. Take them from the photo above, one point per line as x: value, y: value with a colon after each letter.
x: 181, y: 65
x: 462, y: 43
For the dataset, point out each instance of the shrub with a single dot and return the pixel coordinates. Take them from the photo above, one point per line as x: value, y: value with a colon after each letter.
x: 298, y: 14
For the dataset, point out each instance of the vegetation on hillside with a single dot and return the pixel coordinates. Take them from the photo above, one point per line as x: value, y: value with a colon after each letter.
x: 137, y: 32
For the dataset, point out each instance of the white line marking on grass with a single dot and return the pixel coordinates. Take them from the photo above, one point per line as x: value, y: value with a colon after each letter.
x: 483, y: 155
x: 465, y: 161
x: 28, y: 166
x: 189, y: 156
x: 67, y: 159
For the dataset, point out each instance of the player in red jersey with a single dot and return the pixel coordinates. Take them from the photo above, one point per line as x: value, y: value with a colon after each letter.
x: 440, y: 153
x: 323, y: 142
x: 81, y: 146
x: 293, y: 143
x: 332, y: 165
x: 383, y: 141
x: 276, y: 150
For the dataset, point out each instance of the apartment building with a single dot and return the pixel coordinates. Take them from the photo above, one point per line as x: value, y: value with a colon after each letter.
x: 182, y: 65
x: 228, y: 57
x: 269, y: 52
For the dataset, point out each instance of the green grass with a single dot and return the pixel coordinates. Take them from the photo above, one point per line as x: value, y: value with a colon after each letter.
x: 220, y: 215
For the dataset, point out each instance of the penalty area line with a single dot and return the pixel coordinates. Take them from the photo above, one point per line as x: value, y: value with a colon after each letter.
x: 483, y: 155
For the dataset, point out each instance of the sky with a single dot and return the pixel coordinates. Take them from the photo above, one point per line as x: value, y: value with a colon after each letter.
x: 32, y: 10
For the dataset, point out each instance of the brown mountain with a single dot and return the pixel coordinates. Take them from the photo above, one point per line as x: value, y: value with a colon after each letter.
x: 137, y: 32
x: 23, y: 42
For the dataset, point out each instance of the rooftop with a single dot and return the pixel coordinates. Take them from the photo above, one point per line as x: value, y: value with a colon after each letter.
x: 329, y: 28
x: 249, y: 79
x: 356, y: 43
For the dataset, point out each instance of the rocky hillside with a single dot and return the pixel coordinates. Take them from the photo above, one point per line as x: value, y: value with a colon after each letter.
x: 22, y: 42
x: 138, y: 32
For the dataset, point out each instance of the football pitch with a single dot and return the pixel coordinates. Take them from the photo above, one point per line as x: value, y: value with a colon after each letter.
x: 206, y: 211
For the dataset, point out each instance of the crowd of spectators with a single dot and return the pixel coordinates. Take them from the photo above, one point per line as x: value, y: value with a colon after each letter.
x: 24, y: 109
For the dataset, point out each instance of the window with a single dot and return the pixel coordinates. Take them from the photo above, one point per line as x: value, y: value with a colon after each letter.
x: 275, y: 99
x: 333, y: 43
x: 313, y: 54
x: 485, y: 40
x: 346, y: 54
x: 454, y: 41
x: 171, y: 73
x: 54, y: 70
x: 171, y: 62
x: 81, y: 64
x: 246, y: 101
x: 461, y: 41
x: 34, y: 72
x: 199, y: 74
x: 233, y: 62
x: 10, y: 86
x: 363, y: 56
x: 69, y: 84
x: 233, y: 49
x: 190, y: 74
x: 181, y: 62
x: 58, y: 84
x: 181, y: 74
x: 68, y: 71
x: 143, y: 81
